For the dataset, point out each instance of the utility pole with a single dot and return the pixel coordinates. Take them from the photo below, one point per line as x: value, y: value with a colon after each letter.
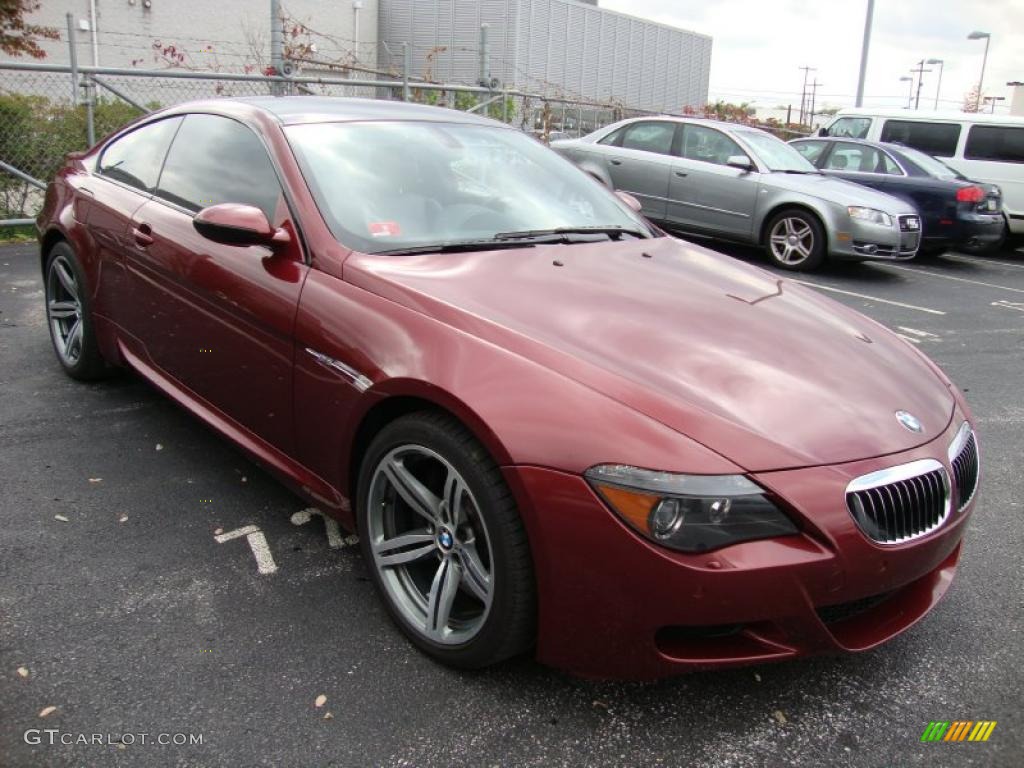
x: 920, y: 81
x: 276, y: 43
x: 864, y: 53
x: 814, y: 96
x: 803, y: 95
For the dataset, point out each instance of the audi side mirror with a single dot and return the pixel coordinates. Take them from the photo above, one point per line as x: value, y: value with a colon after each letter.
x: 740, y: 161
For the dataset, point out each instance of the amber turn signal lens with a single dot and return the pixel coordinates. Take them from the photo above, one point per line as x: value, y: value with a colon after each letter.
x: 633, y: 506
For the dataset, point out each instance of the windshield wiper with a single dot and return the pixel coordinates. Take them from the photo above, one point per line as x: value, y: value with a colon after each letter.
x: 569, y: 234
x: 459, y: 246
x: 794, y: 170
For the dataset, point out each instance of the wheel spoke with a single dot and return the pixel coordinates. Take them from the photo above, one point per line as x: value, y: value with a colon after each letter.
x: 789, y: 227
x: 66, y: 279
x: 405, y: 548
x: 413, y: 492
x: 454, y: 493
x: 441, y: 597
x: 475, y: 577
x: 61, y: 310
x: 73, y: 344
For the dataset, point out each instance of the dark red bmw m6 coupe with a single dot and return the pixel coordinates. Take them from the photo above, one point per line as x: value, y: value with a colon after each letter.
x: 553, y: 426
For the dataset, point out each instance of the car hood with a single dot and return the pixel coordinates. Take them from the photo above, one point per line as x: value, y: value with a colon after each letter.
x: 837, y: 191
x: 762, y: 370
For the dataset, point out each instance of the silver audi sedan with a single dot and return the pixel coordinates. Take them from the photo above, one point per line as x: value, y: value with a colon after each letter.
x: 743, y: 184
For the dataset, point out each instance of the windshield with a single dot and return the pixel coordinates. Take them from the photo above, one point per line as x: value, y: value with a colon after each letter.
x: 394, y: 186
x: 929, y: 164
x: 775, y: 153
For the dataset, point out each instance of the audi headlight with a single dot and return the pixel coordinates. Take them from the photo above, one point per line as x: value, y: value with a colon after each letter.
x: 871, y: 215
x: 691, y: 513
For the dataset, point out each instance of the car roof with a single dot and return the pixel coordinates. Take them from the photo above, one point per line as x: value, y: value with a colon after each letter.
x: 932, y: 115
x: 721, y: 124
x: 292, y: 110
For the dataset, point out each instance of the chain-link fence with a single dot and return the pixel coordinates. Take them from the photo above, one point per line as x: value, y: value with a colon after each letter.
x: 47, y: 111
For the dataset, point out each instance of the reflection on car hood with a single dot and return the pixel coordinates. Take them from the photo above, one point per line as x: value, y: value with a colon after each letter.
x: 837, y: 191
x: 761, y: 369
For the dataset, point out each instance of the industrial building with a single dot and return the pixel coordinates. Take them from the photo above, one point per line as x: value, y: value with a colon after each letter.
x: 557, y: 47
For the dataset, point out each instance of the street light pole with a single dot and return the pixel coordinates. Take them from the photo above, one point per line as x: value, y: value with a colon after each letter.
x: 910, y: 94
x: 939, y: 86
x: 864, y: 53
x: 987, y: 37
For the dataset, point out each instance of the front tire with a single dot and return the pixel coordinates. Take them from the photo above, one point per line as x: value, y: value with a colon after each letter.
x: 69, y: 315
x: 444, y: 543
x: 795, y: 240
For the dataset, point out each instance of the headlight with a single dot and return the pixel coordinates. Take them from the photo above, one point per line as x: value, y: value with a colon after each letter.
x: 870, y: 214
x: 691, y: 513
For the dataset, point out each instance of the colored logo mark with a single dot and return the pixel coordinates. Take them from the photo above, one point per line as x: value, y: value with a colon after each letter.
x: 958, y: 730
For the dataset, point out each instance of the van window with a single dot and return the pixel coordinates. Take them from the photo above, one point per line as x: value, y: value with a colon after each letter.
x: 850, y: 127
x: 995, y: 142
x: 932, y: 138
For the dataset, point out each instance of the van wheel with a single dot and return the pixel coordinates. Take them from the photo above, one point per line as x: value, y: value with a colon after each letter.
x: 795, y: 240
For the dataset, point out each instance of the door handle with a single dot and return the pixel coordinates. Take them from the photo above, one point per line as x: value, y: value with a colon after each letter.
x: 615, y: 162
x: 143, y: 235
x: 682, y: 174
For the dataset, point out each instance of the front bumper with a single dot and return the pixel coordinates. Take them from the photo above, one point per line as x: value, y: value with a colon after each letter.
x: 613, y: 605
x: 862, y: 240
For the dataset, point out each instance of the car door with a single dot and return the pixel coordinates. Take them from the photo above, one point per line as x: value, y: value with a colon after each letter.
x: 638, y: 158
x: 859, y: 163
x: 705, y: 193
x: 123, y: 180
x: 219, y: 318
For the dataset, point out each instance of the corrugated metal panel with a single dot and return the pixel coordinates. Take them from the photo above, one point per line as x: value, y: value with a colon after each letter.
x: 557, y: 46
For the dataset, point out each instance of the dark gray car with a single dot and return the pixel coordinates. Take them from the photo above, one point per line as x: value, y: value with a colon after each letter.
x: 740, y: 183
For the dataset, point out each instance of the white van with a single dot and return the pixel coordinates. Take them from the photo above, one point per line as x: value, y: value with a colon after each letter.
x: 983, y: 147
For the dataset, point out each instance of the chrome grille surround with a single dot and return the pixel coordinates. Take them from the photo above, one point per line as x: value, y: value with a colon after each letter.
x: 901, y: 503
x: 965, y: 461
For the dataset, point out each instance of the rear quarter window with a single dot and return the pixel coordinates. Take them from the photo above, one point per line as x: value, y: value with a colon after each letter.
x: 931, y: 138
x: 1002, y: 144
x: 850, y: 127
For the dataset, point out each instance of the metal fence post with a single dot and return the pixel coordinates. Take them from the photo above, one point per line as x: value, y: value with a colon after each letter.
x: 73, y: 58
x: 90, y: 114
x: 406, y: 67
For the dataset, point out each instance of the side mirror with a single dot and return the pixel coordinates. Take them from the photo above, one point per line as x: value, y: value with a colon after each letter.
x: 740, y: 161
x: 823, y: 131
x: 629, y: 200
x: 234, y: 224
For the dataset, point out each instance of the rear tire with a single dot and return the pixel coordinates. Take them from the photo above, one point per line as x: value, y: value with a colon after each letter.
x: 444, y: 543
x: 69, y: 315
x: 795, y: 240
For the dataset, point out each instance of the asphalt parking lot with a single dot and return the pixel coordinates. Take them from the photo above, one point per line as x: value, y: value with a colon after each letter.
x: 122, y: 609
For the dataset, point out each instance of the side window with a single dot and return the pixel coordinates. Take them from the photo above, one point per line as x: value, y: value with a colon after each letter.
x: 810, y: 149
x: 850, y: 127
x: 218, y: 160
x: 708, y: 145
x: 890, y: 166
x: 136, y: 157
x: 650, y: 137
x: 614, y: 138
x: 932, y: 138
x: 995, y: 142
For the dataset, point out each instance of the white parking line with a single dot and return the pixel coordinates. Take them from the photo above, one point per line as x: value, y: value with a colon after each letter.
x: 1018, y: 305
x: 334, y: 537
x: 911, y: 339
x: 257, y: 543
x: 971, y: 260
x: 951, y: 277
x: 871, y: 298
x: 920, y: 334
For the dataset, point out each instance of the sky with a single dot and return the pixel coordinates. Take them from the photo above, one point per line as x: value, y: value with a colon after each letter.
x: 760, y: 45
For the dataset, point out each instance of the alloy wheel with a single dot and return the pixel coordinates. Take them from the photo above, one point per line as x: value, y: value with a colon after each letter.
x: 64, y: 310
x: 791, y: 240
x: 430, y: 545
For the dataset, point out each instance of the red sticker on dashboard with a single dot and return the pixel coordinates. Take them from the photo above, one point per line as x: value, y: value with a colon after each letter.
x: 385, y: 229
